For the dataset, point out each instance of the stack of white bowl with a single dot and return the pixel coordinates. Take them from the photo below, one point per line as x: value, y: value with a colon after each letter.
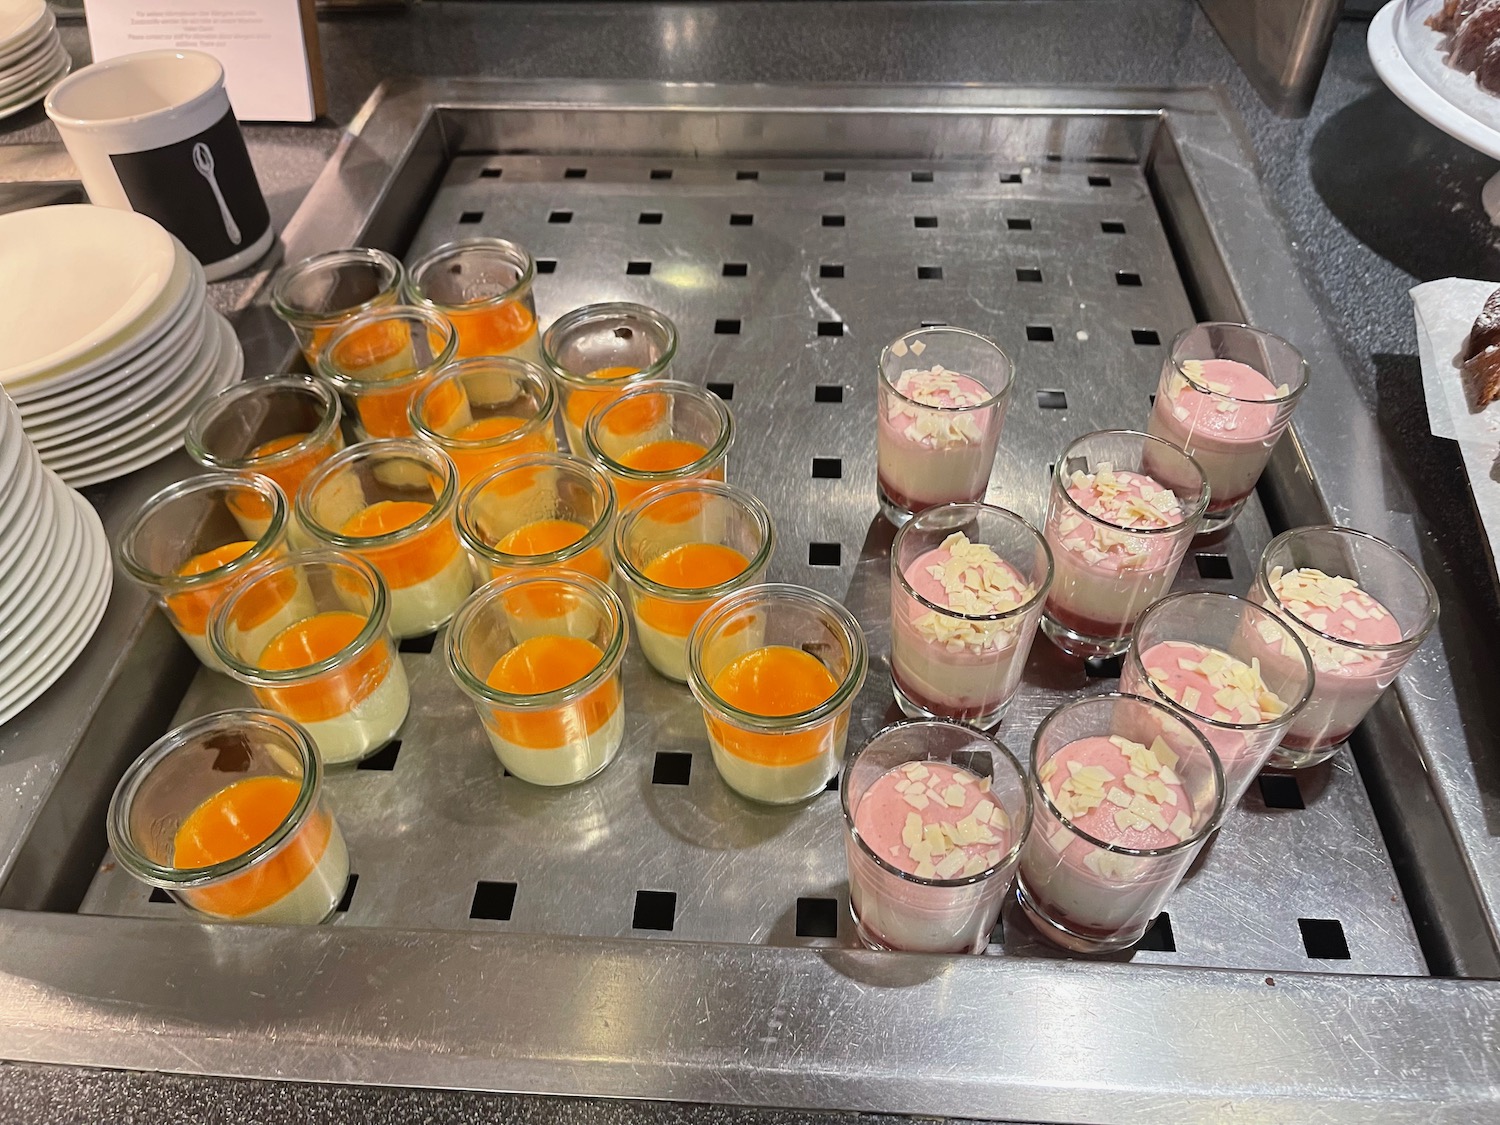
x: 32, y: 57
x: 55, y: 570
x: 107, y: 344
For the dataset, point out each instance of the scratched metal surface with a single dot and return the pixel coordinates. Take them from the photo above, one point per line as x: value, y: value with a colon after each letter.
x: 819, y: 251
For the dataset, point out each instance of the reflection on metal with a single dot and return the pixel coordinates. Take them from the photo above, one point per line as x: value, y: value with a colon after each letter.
x: 1281, y: 45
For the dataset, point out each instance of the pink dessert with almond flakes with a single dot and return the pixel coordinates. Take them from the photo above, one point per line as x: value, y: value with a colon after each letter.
x: 936, y: 438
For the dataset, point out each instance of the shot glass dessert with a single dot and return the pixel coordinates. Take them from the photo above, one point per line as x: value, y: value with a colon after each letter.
x: 967, y: 586
x: 187, y: 545
x: 1226, y: 395
x: 934, y: 818
x: 776, y: 669
x: 681, y: 549
x: 318, y: 295
x: 482, y: 412
x: 1124, y: 792
x: 1117, y: 535
x: 1360, y: 606
x: 483, y: 287
x: 1196, y: 653
x: 943, y: 395
x: 227, y: 815
x: 659, y: 432
x: 545, y: 510
x: 392, y: 503
x: 381, y: 359
x: 335, y: 670
x: 539, y: 654
x: 597, y: 351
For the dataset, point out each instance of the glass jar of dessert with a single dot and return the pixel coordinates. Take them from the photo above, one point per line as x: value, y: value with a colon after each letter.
x: 483, y: 287
x: 318, y: 295
x: 482, y: 412
x: 381, y: 359
x: 659, y: 432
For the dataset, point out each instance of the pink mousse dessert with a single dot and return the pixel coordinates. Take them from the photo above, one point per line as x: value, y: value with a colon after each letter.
x: 933, y: 445
x: 951, y: 664
x: 936, y: 822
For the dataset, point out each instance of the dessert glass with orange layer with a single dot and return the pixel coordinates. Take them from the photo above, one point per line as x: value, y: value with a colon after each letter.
x: 1124, y: 792
x: 187, y: 546
x: 659, y: 432
x: 392, y: 503
x: 541, y: 511
x: 483, y: 286
x: 540, y: 654
x: 336, y: 670
x: 226, y: 814
x: 680, y: 548
x: 1199, y: 654
x: 776, y: 669
x: 482, y: 412
x: 597, y: 351
x: 317, y: 295
x: 381, y: 359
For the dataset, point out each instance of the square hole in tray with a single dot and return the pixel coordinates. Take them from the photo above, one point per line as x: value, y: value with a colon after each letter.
x: 818, y: 917
x: 724, y: 390
x: 726, y: 327
x: 830, y: 328
x: 1111, y: 226
x: 490, y: 173
x: 637, y: 269
x: 929, y: 273
x: 833, y: 177
x: 384, y: 760
x: 1278, y: 791
x: 826, y: 393
x: 833, y: 220
x: 650, y: 219
x: 493, y: 902
x: 672, y: 767
x: 423, y: 643
x: 736, y: 269
x: 1039, y: 333
x: 925, y: 222
x: 1158, y: 937
x: 747, y: 175
x: 921, y: 177
x: 740, y: 219
x: 1213, y: 566
x: 829, y: 269
x: 348, y: 899
x: 560, y: 217
x: 1099, y: 181
x: 1145, y: 337
x: 469, y: 217
x: 1018, y: 224
x: 1127, y: 279
x: 661, y: 173
x: 654, y: 910
x: 824, y: 554
x: 159, y: 895
x: 1052, y: 400
x: 827, y: 468
x: 1323, y: 939
x: 1029, y: 273
x: 546, y: 265
x: 1103, y: 667
x: 575, y: 173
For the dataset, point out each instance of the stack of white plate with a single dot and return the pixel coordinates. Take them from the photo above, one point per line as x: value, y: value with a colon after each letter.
x: 106, y: 342
x: 55, y: 570
x: 32, y: 57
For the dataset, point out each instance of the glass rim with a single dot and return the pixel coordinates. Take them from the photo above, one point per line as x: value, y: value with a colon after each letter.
x: 1293, y: 393
x: 514, y: 254
x: 210, y: 410
x: 117, y: 826
x: 574, y: 318
x: 1408, y: 641
x: 997, y: 396
x: 1134, y: 658
x: 1043, y: 588
x: 886, y: 865
x: 478, y: 688
x: 598, y: 483
x: 1189, y: 518
x: 843, y: 695
x: 429, y: 456
x: 454, y: 371
x: 356, y: 387
x: 1040, y: 789
x: 371, y: 631
x: 748, y: 502
x: 270, y: 539
x: 367, y: 254
x: 715, y: 453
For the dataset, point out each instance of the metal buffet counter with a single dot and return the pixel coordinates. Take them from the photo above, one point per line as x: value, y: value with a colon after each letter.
x: 1324, y: 961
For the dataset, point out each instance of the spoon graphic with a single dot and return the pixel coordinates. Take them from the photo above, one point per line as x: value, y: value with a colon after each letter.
x: 203, y: 160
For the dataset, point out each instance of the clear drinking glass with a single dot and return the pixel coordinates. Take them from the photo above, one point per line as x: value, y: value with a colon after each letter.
x: 1199, y: 654
x: 679, y: 550
x: 188, y: 543
x: 483, y: 286
x: 967, y: 586
x: 1356, y: 652
x: 1226, y: 395
x: 392, y: 503
x: 481, y: 412
x: 597, y: 351
x: 227, y: 815
x: 659, y: 432
x: 895, y: 788
x: 539, y: 654
x: 334, y: 670
x: 543, y: 510
x: 319, y: 294
x: 1091, y: 891
x: 381, y: 359
x: 943, y: 396
x: 1111, y: 561
x: 776, y: 669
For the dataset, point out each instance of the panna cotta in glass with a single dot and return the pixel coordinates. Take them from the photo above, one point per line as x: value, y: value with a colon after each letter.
x: 597, y: 351
x: 381, y: 359
x: 776, y: 669
x: 1124, y: 793
x: 1117, y: 536
x: 659, y: 432
x: 483, y: 412
x: 942, y: 401
x: 319, y: 295
x: 539, y: 654
x: 1361, y: 608
x: 482, y: 286
x: 934, y: 815
x: 226, y: 814
x: 967, y: 586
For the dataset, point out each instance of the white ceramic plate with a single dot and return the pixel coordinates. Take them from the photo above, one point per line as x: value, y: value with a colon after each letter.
x: 13, y: 50
x: 15, y: 80
x: 51, y: 603
x: 42, y: 88
x: 73, y: 278
x: 33, y: 587
x: 18, y: 18
x: 23, y: 502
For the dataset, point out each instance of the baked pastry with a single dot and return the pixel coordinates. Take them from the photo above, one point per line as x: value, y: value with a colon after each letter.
x: 1481, y: 366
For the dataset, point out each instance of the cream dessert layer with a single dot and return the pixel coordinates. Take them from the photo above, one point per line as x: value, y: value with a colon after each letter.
x: 932, y: 449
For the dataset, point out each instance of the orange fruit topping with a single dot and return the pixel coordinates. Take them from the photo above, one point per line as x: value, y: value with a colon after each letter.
x: 504, y: 443
x: 409, y: 561
x: 580, y: 404
x: 191, y: 607
x: 492, y: 331
x: 543, y: 664
x: 692, y: 566
x: 542, y: 537
x: 664, y: 456
x: 774, y: 680
x: 334, y: 693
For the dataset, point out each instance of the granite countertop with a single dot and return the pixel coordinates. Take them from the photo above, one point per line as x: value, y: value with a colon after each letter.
x: 1374, y: 201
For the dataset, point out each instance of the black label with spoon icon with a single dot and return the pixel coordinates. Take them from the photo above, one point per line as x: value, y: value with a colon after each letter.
x: 203, y: 189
